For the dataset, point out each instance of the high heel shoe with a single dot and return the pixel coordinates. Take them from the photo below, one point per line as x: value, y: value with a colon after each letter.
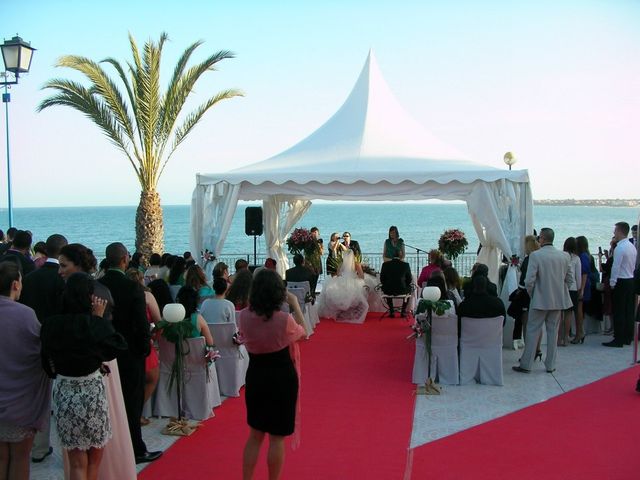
x: 577, y: 340
x: 538, y: 356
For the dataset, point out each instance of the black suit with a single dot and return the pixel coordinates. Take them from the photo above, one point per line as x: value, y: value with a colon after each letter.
x: 130, y: 320
x: 26, y: 264
x: 481, y: 305
x: 301, y: 273
x: 467, y: 290
x: 42, y: 291
x: 396, y: 279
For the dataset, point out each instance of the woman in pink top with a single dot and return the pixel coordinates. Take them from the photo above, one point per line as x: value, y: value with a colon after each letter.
x: 435, y: 264
x: 271, y: 390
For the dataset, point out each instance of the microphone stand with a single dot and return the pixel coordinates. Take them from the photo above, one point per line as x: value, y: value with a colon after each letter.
x: 418, y: 250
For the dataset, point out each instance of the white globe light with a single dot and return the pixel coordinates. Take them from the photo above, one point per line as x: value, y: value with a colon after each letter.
x: 431, y: 293
x: 509, y: 158
x: 173, y: 312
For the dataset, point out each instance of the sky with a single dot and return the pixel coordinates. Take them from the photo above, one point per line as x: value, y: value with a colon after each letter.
x: 555, y: 82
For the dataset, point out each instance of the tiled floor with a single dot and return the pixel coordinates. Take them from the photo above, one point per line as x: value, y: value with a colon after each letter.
x: 462, y: 407
x: 459, y: 407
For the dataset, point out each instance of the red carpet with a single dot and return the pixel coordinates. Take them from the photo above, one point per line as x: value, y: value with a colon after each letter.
x: 357, y: 413
x: 592, y: 432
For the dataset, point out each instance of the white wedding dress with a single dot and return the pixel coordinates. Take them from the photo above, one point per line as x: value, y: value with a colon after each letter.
x: 344, y: 297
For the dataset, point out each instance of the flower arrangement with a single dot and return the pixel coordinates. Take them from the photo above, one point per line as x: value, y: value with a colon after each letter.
x: 452, y: 243
x: 207, y: 256
x: 302, y: 241
x: 515, y: 260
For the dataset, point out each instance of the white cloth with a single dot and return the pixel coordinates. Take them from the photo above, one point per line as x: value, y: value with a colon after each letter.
x: 624, y: 262
x: 344, y: 298
x: 575, y: 266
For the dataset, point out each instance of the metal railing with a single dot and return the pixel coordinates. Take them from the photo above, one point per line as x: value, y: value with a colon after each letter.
x: 462, y: 264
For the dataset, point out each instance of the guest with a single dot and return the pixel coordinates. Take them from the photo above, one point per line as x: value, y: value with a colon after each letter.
x: 548, y: 277
x: 195, y: 279
x: 136, y: 262
x: 176, y: 274
x: 315, y: 261
x: 352, y: 245
x: 118, y: 460
x: 188, y: 298
x: 188, y: 258
x: 435, y: 263
x: 240, y: 265
x: 130, y: 320
x: 42, y: 290
x: 152, y: 362
x: 335, y: 254
x: 19, y: 252
x: 634, y: 235
x: 161, y: 292
x: 271, y: 390
x: 239, y: 291
x: 154, y: 269
x: 39, y: 254
x: 584, y: 289
x: 8, y: 240
x: 301, y: 272
x: 221, y: 270
x: 218, y: 309
x: 269, y: 264
x: 480, y: 270
x: 621, y: 281
x: 519, y: 308
x: 607, y: 301
x: 571, y: 249
x: 1, y: 236
x: 393, y: 246
x: 164, y: 266
x: 21, y: 378
x: 454, y: 284
x: 74, y: 345
x: 481, y: 304
x: 396, y: 279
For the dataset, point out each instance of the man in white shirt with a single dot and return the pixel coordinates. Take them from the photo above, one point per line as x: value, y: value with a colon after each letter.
x: 621, y: 281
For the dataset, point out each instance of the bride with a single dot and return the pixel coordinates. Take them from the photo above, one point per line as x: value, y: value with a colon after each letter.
x: 344, y: 298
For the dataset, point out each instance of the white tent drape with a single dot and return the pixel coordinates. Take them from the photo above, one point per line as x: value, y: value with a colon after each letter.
x: 281, y: 212
x: 212, y: 210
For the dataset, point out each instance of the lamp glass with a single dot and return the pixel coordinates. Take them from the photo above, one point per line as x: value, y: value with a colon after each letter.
x: 173, y: 312
x: 25, y: 59
x: 431, y: 293
x: 10, y: 54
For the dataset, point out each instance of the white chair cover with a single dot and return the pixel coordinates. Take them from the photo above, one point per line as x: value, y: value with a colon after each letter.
x: 199, y: 396
x: 300, y: 292
x: 481, y: 351
x: 234, y: 361
x: 444, y: 352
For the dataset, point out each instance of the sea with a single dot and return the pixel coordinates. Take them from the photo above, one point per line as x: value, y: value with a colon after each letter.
x: 420, y: 224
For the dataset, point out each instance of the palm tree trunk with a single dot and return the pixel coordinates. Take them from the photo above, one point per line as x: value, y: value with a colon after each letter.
x: 149, y: 225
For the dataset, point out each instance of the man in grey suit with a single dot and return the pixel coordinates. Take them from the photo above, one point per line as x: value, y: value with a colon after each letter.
x: 547, y: 281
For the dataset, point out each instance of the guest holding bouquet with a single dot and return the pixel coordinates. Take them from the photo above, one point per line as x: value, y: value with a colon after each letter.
x: 25, y: 390
x: 269, y: 335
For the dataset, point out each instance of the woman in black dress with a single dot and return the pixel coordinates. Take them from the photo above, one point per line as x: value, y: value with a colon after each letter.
x: 271, y: 390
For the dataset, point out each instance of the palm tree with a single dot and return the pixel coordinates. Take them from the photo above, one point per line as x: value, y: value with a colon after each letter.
x: 142, y: 122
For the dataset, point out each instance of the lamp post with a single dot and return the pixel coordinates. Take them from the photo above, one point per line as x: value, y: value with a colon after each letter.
x: 510, y: 159
x: 17, y: 55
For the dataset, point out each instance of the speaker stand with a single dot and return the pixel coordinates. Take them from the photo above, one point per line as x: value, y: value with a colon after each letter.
x: 255, y: 256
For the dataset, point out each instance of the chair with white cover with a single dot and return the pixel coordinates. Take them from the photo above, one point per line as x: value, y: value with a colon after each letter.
x: 199, y: 396
x: 444, y: 352
x: 301, y: 291
x: 481, y: 351
x: 234, y: 359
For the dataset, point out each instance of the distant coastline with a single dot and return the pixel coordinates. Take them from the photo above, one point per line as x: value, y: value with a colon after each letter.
x: 571, y: 202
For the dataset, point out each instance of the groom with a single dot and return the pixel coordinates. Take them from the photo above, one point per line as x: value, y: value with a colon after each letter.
x: 352, y: 245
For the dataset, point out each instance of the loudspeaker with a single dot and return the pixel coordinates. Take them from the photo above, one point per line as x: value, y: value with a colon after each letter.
x: 253, y: 221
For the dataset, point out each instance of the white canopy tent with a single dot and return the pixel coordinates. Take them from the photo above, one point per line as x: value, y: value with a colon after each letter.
x: 370, y: 149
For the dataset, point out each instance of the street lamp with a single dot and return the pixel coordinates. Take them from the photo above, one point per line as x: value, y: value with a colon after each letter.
x: 510, y: 159
x: 17, y: 55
